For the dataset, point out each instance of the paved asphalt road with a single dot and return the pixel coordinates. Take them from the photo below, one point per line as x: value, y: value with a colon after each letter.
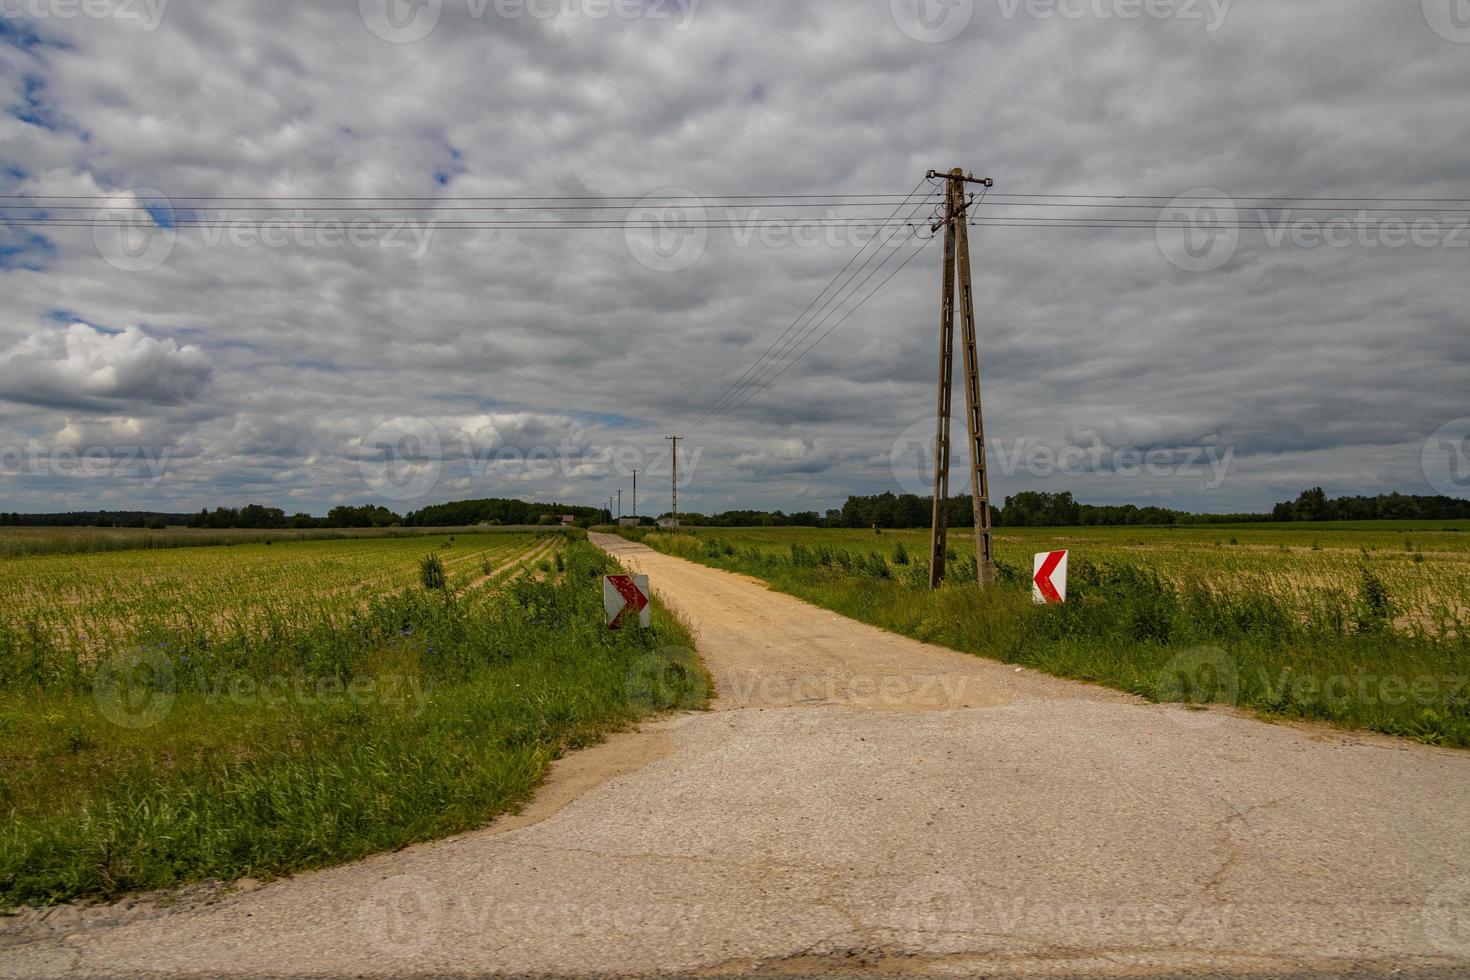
x: 860, y: 802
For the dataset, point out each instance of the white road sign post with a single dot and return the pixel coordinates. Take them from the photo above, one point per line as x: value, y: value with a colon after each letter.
x: 1049, y: 581
x: 625, y: 598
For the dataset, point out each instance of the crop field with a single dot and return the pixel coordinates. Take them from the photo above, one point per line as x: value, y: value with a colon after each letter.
x: 58, y: 611
x: 175, y: 716
x: 1425, y: 566
x: 1360, y: 625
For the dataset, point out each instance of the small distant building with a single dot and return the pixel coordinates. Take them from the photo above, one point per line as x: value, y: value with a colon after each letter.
x: 668, y: 522
x: 567, y: 520
x: 627, y: 522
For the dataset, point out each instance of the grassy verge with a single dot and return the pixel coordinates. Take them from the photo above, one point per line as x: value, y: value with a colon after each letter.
x: 1342, y: 661
x: 422, y: 716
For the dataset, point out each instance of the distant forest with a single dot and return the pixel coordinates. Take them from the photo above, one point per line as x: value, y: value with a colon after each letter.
x: 886, y: 510
x: 1062, y: 510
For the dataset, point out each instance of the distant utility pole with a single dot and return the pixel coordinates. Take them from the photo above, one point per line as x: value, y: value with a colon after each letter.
x: 675, y: 441
x: 957, y: 266
x: 620, y: 505
x: 635, y: 493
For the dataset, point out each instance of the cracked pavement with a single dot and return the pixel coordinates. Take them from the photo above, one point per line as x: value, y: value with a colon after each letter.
x: 859, y: 802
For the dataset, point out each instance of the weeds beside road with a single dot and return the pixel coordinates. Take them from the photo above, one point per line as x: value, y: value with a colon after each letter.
x: 1339, y: 658
x: 419, y: 715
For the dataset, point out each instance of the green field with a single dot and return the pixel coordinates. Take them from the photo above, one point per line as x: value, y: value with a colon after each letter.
x: 1364, y: 626
x: 175, y: 716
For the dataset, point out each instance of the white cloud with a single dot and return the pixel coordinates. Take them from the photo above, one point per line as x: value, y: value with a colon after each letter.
x: 84, y: 367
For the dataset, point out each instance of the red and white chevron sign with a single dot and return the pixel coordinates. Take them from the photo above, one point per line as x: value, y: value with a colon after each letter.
x: 625, y: 597
x: 1049, y: 583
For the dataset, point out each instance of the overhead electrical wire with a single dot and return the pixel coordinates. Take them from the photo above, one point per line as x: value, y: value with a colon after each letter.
x: 762, y: 376
x: 794, y: 323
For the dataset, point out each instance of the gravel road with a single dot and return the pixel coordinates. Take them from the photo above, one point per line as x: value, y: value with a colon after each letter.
x: 862, y: 802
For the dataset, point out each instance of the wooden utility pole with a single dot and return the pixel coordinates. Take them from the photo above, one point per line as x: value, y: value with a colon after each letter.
x: 675, y: 511
x: 939, y: 532
x: 635, y: 493
x: 620, y: 505
x: 957, y: 266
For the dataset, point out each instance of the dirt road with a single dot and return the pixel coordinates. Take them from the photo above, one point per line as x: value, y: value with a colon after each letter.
x: 860, y: 801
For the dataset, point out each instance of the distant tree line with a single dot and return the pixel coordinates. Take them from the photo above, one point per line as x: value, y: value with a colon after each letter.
x: 1314, y: 505
x: 464, y: 513
x: 95, y: 518
x: 886, y: 510
x: 1037, y: 509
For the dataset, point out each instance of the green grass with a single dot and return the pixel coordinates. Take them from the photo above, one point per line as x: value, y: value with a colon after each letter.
x: 1342, y: 653
x: 420, y: 715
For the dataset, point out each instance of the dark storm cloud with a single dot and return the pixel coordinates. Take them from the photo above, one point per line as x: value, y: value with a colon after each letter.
x: 269, y: 367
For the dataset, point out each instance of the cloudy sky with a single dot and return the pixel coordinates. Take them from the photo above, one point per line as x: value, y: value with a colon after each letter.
x: 1218, y: 360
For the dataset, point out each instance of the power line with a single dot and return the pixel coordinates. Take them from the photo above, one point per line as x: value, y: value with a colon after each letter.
x: 735, y: 384
x: 823, y: 315
x: 772, y: 380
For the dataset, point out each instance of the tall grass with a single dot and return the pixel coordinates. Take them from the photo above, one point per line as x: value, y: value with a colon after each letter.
x: 418, y: 716
x: 1340, y: 656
